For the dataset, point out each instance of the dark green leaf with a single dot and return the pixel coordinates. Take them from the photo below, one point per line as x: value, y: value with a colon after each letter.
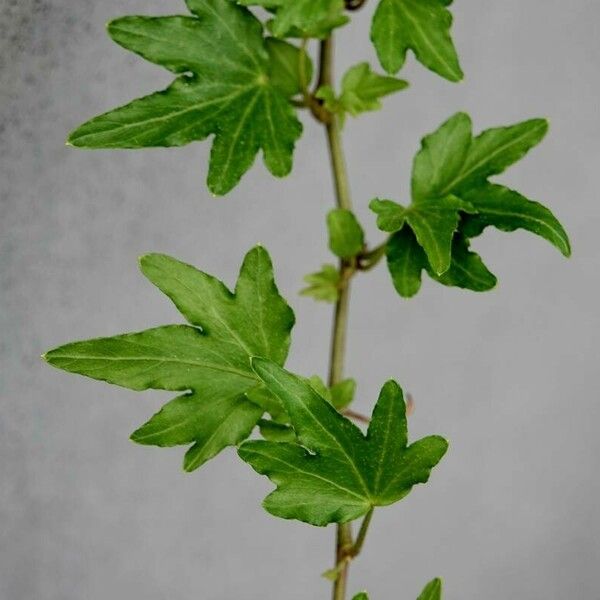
x: 422, y: 26
x: 323, y: 285
x: 303, y: 18
x: 227, y: 86
x: 210, y: 359
x: 337, y: 474
x: 346, y: 236
x: 406, y: 260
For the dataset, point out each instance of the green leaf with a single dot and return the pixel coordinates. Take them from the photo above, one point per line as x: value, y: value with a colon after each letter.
x: 362, y: 90
x: 508, y: 210
x: 451, y: 160
x: 337, y: 474
x: 276, y: 432
x: 228, y: 85
x: 432, y: 591
x: 303, y: 18
x: 323, y: 285
x: 422, y: 26
x: 406, y: 260
x: 285, y: 67
x: 451, y: 193
x: 434, y: 222
x: 209, y: 359
x: 346, y: 236
x: 361, y: 596
x: 340, y: 394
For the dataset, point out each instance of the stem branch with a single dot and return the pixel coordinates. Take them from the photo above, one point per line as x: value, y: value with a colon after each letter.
x: 340, y: 322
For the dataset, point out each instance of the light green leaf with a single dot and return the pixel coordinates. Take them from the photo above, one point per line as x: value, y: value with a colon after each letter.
x: 508, y: 210
x: 340, y: 394
x: 432, y: 591
x: 361, y: 596
x: 228, y: 85
x: 303, y: 18
x: 362, y: 90
x: 406, y: 260
x: 337, y: 474
x: 346, y: 236
x: 276, y: 432
x: 422, y: 26
x: 323, y: 285
x: 434, y: 222
x: 209, y: 359
x: 285, y: 67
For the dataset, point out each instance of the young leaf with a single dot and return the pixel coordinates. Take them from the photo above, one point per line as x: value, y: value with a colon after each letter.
x: 286, y: 74
x: 302, y: 18
x: 337, y: 474
x: 228, y: 85
x: 276, y: 432
x: 432, y: 591
x: 362, y: 90
x: 210, y: 359
x: 346, y: 236
x: 434, y: 222
x: 422, y: 26
x: 323, y: 285
x: 340, y: 394
x: 406, y: 260
x: 361, y: 596
x: 450, y: 193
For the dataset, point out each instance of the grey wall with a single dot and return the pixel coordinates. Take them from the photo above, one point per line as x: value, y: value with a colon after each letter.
x: 509, y: 376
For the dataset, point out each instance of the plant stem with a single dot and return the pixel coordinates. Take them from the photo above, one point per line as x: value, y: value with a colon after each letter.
x: 338, y: 341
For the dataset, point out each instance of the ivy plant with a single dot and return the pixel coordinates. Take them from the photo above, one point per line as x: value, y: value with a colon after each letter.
x: 244, y: 71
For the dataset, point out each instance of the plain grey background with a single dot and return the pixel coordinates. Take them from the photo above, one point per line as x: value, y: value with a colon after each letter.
x: 510, y: 377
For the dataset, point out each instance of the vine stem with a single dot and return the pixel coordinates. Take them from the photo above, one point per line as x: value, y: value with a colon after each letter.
x: 344, y: 542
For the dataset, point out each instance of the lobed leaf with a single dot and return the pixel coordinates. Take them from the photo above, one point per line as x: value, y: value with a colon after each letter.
x: 422, y: 26
x: 335, y: 473
x: 362, y: 90
x: 453, y: 201
x: 303, y: 18
x: 209, y: 359
x: 231, y: 84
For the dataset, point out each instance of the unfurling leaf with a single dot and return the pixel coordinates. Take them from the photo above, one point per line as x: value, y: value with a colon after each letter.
x: 362, y: 90
x: 340, y: 394
x: 422, y: 26
x: 335, y: 473
x: 208, y: 359
x: 453, y: 201
x: 230, y: 83
x: 432, y: 591
x: 346, y: 236
x: 323, y: 285
x: 302, y: 18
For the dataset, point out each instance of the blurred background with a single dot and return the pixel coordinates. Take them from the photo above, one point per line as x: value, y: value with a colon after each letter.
x: 510, y: 376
